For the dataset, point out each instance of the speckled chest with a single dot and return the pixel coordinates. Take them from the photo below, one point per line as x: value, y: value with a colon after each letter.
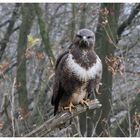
x: 82, y: 73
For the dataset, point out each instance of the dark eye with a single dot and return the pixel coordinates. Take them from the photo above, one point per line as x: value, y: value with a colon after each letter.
x: 79, y: 36
x: 89, y: 37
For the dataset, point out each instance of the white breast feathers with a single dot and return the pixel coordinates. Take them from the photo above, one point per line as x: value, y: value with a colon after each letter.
x: 80, y: 72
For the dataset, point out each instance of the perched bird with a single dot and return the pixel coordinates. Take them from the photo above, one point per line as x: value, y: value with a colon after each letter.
x: 78, y: 73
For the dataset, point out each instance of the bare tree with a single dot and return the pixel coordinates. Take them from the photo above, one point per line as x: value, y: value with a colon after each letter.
x: 27, y: 20
x: 105, y: 36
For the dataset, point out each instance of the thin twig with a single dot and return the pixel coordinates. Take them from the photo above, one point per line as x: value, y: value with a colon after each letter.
x: 118, y: 122
x: 127, y: 99
x: 13, y: 106
x: 93, y: 133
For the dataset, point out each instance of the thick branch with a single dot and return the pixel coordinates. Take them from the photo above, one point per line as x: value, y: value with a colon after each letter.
x: 44, y: 34
x: 128, y: 21
x: 61, y: 118
x: 28, y: 15
x: 9, y: 31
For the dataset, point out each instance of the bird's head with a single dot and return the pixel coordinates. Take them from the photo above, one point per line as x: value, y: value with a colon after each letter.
x: 84, y: 39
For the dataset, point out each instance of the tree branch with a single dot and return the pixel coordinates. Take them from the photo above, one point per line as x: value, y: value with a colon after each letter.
x: 4, y: 23
x: 13, y: 64
x: 9, y: 31
x: 61, y: 118
x: 44, y: 34
x: 128, y: 21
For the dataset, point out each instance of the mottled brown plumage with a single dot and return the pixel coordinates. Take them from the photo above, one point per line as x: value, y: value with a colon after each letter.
x: 77, y: 73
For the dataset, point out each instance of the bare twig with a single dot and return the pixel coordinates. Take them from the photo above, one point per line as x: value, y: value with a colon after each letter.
x: 94, y: 130
x: 117, y: 121
x: 61, y: 118
x: 138, y: 133
x: 13, y: 107
x: 4, y: 23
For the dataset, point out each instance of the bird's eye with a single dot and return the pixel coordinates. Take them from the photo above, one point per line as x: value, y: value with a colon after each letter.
x: 79, y: 36
x: 89, y: 37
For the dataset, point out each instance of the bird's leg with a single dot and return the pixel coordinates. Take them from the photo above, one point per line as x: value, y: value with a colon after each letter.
x: 84, y: 102
x: 70, y: 107
x: 97, y: 88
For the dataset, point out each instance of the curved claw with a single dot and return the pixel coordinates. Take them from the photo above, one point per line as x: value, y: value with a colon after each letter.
x: 84, y: 102
x: 70, y: 107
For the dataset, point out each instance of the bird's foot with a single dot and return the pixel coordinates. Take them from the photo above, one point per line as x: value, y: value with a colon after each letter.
x: 84, y: 102
x: 70, y: 107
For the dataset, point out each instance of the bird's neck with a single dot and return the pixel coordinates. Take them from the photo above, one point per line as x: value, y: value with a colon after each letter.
x: 84, y: 57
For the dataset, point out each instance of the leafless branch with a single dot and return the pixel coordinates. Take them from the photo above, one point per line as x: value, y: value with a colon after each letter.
x: 128, y: 21
x: 62, y: 118
x: 138, y: 133
x: 4, y: 23
x: 9, y: 31
x: 13, y: 106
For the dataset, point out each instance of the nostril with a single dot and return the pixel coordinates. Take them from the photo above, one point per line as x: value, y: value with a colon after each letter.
x: 85, y: 40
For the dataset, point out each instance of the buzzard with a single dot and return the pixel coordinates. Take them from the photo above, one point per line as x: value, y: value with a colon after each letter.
x: 78, y: 73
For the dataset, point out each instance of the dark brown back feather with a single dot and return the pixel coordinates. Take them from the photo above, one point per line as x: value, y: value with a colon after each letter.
x: 60, y: 57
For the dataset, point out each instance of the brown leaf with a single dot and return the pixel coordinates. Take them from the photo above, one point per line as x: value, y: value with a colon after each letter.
x: 104, y: 12
x: 22, y: 113
x: 1, y: 125
x: 3, y: 67
x: 29, y: 53
x: 115, y: 65
x: 40, y: 55
x: 138, y: 90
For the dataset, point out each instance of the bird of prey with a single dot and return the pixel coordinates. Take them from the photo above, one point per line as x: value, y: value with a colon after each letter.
x: 78, y: 73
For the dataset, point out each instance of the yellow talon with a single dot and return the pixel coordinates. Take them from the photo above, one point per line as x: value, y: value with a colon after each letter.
x: 70, y: 107
x: 82, y: 102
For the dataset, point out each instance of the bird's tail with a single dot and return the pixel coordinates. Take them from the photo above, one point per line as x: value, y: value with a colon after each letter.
x: 55, y: 109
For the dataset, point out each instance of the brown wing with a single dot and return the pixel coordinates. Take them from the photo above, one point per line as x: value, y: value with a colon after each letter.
x: 60, y: 58
x: 58, y: 91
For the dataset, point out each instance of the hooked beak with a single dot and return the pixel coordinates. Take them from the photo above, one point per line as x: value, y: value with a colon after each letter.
x: 84, y: 42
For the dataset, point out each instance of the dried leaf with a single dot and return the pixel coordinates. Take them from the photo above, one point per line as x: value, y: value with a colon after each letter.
x: 104, y: 12
x: 29, y: 53
x: 1, y: 125
x: 138, y: 90
x: 21, y: 114
x: 3, y: 67
x: 115, y: 65
x: 40, y: 55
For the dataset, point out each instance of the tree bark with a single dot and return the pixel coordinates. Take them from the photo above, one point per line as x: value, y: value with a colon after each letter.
x: 83, y: 15
x: 27, y: 20
x: 73, y: 24
x: 105, y: 47
x: 44, y: 34
x: 9, y: 30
